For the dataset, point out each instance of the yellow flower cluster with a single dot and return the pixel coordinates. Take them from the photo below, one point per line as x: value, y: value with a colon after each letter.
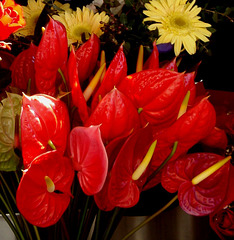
x: 178, y: 23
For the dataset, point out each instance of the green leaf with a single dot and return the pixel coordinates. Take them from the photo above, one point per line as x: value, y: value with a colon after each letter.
x: 123, y: 19
x: 215, y: 17
x: 10, y: 108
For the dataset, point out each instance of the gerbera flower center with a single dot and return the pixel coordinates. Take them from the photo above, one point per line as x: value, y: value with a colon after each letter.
x: 81, y: 30
x: 179, y: 21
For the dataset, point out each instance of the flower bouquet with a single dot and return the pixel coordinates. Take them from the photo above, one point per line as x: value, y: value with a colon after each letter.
x: 82, y: 135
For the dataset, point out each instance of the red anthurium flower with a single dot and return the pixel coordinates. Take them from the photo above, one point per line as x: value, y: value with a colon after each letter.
x: 171, y: 65
x: 101, y: 198
x: 203, y: 197
x: 222, y: 220
x: 11, y: 18
x: 50, y: 57
x: 89, y: 158
x: 44, y: 190
x: 124, y: 189
x: 190, y: 86
x: 23, y: 70
x: 116, y: 115
x: 157, y: 94
x: 153, y: 60
x: 86, y: 57
x: 76, y: 92
x: 116, y: 71
x: 216, y: 139
x: 199, y: 120
x: 45, y: 126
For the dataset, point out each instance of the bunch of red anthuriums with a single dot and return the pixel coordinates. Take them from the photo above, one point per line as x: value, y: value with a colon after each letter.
x: 120, y: 134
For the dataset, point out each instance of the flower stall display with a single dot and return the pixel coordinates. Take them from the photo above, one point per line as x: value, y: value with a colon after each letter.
x: 82, y: 135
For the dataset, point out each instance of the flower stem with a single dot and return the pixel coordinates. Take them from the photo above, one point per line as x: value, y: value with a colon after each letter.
x: 107, y: 232
x: 36, y: 232
x: 83, y: 218
x: 149, y: 218
x: 162, y: 164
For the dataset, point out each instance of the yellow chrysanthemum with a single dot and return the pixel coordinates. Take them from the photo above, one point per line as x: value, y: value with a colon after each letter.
x: 81, y: 23
x: 177, y: 23
x: 31, y: 14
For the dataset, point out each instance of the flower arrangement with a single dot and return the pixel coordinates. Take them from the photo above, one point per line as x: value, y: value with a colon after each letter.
x: 82, y: 135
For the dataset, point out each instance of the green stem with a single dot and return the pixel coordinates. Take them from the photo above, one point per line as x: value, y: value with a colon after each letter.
x: 97, y: 224
x: 36, y: 233
x: 149, y: 218
x: 7, y: 187
x: 13, y: 217
x: 65, y: 83
x: 162, y: 164
x: 83, y: 217
x: 10, y: 224
x: 107, y: 232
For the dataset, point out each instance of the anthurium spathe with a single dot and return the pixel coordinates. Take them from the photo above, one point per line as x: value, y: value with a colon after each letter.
x: 153, y: 60
x: 116, y: 71
x: 50, y: 57
x: 11, y: 18
x: 116, y: 114
x: 202, y: 197
x: 23, y: 72
x: 45, y: 126
x: 157, y: 94
x: 222, y: 219
x: 44, y: 190
x: 89, y: 158
x: 189, y: 129
x: 86, y: 57
x: 124, y: 190
x: 76, y: 92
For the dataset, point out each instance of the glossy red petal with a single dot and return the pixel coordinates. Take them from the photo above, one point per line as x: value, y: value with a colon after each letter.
x: 86, y: 57
x: 158, y: 94
x: 123, y: 190
x: 153, y: 60
x: 23, y: 70
x: 43, y: 118
x: 216, y: 139
x: 51, y: 55
x: 35, y: 203
x: 116, y: 71
x: 76, y: 92
x: 203, y: 198
x: 116, y: 115
x: 188, y: 130
x: 89, y: 158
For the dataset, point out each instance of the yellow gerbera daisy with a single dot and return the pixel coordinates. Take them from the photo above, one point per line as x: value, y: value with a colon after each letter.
x: 81, y: 23
x: 31, y: 14
x: 177, y: 23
